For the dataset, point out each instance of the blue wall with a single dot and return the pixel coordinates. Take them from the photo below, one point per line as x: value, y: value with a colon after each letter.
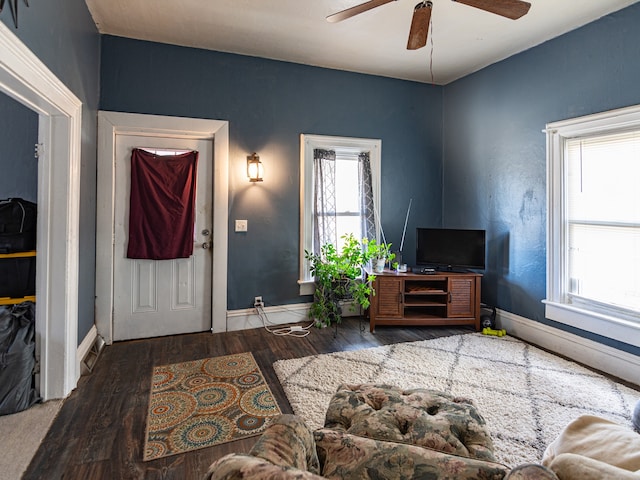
x: 268, y: 105
x: 63, y: 36
x: 470, y: 154
x: 495, y: 153
x: 18, y: 136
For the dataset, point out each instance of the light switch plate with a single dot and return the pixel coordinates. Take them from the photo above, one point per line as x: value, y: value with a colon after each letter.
x: 241, y: 225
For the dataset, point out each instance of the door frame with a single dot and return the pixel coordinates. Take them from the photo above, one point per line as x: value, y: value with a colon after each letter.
x: 26, y: 79
x: 111, y: 124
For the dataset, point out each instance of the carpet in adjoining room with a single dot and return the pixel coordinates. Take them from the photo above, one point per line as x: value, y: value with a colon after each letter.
x: 206, y: 402
x: 525, y: 394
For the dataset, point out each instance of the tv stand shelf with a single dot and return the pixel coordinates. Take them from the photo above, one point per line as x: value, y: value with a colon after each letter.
x: 443, y: 298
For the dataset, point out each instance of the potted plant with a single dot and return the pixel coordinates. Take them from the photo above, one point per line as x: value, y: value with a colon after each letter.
x: 379, y: 253
x: 339, y: 275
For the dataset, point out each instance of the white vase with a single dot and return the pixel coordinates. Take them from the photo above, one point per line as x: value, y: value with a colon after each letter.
x: 378, y: 265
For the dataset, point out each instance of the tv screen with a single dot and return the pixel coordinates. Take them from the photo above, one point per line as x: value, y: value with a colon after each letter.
x: 446, y: 248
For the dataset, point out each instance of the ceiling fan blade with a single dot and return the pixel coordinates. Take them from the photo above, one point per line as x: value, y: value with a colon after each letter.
x: 512, y: 9
x: 419, y: 26
x: 353, y: 11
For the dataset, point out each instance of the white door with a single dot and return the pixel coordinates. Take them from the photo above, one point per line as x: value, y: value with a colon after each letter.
x: 162, y: 297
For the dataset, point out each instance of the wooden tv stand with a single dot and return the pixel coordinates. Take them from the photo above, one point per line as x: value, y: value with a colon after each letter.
x: 441, y: 298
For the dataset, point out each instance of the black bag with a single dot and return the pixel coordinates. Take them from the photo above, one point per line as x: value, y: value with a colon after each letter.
x: 18, y: 219
x: 17, y: 358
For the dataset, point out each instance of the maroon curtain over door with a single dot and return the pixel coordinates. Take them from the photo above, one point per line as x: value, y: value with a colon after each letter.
x: 162, y: 205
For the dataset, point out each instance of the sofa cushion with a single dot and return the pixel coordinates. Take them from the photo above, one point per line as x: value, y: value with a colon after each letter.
x: 422, y: 417
x: 531, y: 471
x: 345, y: 456
x: 598, y: 439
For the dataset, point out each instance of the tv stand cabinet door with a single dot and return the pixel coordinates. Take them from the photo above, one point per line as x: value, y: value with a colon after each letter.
x: 389, y: 297
x: 462, y: 297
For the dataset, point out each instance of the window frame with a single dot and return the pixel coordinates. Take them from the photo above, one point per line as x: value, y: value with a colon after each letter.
x: 605, y: 320
x: 308, y: 143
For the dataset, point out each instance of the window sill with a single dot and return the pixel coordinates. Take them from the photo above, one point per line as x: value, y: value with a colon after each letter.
x: 307, y: 287
x: 624, y: 331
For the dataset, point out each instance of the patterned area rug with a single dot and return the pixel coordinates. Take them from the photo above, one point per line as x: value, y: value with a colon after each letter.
x: 525, y: 394
x: 206, y: 402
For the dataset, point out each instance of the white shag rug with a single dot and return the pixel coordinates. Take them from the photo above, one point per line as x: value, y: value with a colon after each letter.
x: 525, y: 394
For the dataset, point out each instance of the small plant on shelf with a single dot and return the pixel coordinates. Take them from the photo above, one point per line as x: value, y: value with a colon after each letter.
x: 339, y: 275
x: 379, y: 253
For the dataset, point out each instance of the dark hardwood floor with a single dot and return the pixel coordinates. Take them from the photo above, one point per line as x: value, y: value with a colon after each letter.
x: 99, y: 432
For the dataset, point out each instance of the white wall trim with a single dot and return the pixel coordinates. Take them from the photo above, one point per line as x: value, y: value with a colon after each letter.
x: 616, y: 328
x: 595, y: 355
x: 248, y: 318
x: 111, y: 124
x: 26, y: 79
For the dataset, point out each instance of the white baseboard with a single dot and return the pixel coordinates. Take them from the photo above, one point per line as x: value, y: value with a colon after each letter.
x: 593, y: 354
x: 84, y: 347
x: 277, y: 315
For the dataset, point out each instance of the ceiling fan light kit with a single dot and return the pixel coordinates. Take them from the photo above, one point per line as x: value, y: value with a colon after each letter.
x: 419, y: 30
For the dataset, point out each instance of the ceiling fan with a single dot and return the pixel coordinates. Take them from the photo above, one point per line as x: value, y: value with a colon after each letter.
x: 419, y: 31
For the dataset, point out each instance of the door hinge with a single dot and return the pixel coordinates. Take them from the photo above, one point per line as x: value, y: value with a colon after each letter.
x: 38, y: 150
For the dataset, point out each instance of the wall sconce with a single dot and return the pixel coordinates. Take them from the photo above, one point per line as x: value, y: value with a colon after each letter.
x: 254, y: 168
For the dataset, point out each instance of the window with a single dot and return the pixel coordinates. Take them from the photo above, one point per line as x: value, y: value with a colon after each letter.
x: 346, y: 211
x: 593, y: 269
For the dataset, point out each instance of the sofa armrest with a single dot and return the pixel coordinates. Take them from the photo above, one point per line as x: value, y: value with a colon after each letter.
x: 236, y: 466
x: 288, y: 442
x: 286, y: 450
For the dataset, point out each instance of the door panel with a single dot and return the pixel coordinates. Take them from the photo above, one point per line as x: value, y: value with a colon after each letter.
x: 162, y: 297
x: 388, y: 297
x: 461, y: 297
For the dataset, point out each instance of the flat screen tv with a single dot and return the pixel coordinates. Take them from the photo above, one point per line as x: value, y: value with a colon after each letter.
x: 450, y: 249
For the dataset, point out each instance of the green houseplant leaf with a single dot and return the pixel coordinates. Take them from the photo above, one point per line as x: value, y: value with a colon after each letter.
x: 340, y: 275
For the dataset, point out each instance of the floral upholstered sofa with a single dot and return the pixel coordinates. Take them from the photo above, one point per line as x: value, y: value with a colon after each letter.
x: 378, y: 432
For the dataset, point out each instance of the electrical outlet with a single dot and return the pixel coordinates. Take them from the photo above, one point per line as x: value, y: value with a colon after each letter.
x: 257, y: 302
x: 241, y: 225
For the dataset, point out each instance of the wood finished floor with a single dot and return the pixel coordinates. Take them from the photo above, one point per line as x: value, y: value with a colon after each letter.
x: 99, y: 433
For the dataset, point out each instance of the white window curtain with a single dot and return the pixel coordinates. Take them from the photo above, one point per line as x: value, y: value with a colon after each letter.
x: 365, y: 187
x: 324, y: 211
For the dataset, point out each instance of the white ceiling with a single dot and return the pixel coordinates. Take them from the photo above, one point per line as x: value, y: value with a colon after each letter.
x: 462, y: 39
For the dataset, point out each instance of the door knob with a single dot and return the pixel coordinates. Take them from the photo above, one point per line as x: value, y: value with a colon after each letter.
x: 205, y: 232
x: 206, y: 245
